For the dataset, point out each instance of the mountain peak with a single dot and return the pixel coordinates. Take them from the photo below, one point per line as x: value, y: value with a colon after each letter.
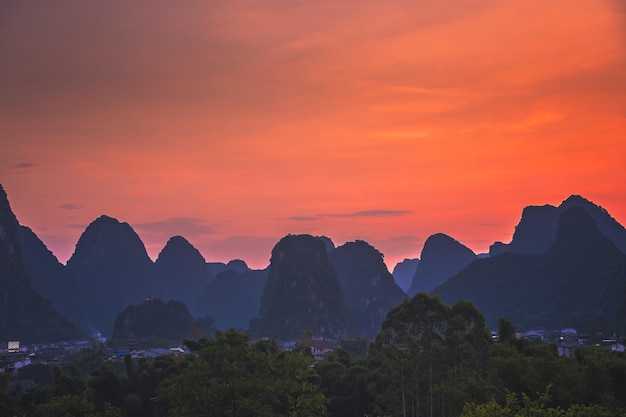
x: 537, y: 229
x: 238, y: 265
x: 441, y: 258
x: 26, y: 315
x: 579, y: 237
x: 330, y: 245
x: 108, y: 235
x: 575, y: 199
x: 114, y: 269
x: 178, y: 246
x: 302, y: 291
x: 368, y: 288
x: 404, y: 271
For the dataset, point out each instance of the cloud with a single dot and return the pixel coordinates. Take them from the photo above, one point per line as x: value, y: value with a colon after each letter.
x: 405, y: 240
x: 369, y: 213
x: 24, y: 165
x: 185, y: 226
x: 303, y: 218
x: 366, y: 213
x: 70, y: 206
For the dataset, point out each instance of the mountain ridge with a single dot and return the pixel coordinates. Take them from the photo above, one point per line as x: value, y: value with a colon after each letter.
x: 441, y: 258
x: 563, y: 287
x: 25, y: 314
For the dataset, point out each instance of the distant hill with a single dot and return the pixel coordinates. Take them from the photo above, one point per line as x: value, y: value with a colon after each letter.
x: 25, y: 315
x: 158, y: 320
x: 441, y: 258
x: 114, y: 271
x: 50, y: 277
x: 233, y: 298
x: 302, y: 292
x: 404, y: 272
x: 236, y: 265
x: 181, y: 272
x: 537, y: 228
x: 569, y: 285
x: 368, y: 288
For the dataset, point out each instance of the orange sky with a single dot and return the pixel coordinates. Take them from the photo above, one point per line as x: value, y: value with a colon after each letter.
x: 234, y: 123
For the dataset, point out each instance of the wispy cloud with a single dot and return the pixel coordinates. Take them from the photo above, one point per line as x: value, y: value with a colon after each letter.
x: 303, y: 218
x: 24, y: 165
x: 370, y: 213
x: 489, y: 224
x: 70, y: 206
x: 186, y: 226
x: 366, y: 213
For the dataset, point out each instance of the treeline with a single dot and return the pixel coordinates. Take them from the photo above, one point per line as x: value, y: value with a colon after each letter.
x: 428, y: 360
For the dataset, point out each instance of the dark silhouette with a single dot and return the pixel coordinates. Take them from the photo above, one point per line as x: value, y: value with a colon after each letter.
x: 404, y: 272
x: 302, y: 292
x: 537, y: 228
x: 25, y: 315
x: 233, y: 298
x: 570, y: 285
x: 158, y: 320
x: 368, y: 288
x: 50, y: 277
x: 114, y: 271
x: 181, y: 272
x: 441, y: 258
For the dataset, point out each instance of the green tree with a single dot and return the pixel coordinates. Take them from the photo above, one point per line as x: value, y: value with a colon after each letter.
x: 229, y: 377
x: 67, y: 405
x: 343, y: 381
x: 506, y: 331
x: 428, y: 359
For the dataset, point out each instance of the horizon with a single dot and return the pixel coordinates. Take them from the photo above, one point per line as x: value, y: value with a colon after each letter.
x: 153, y: 254
x: 235, y: 123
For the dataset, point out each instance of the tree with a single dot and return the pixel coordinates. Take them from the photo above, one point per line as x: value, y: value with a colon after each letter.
x: 506, y: 331
x: 229, y: 377
x: 428, y: 359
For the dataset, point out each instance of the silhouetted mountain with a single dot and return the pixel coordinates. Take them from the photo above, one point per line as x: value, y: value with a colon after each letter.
x: 181, y: 272
x: 114, y: 271
x: 328, y: 243
x: 49, y: 277
x: 157, y: 319
x: 567, y: 286
x: 302, y: 292
x: 25, y: 315
x: 233, y: 298
x: 404, y: 272
x: 614, y: 295
x: 537, y: 228
x: 441, y: 258
x: 368, y: 288
x: 236, y: 265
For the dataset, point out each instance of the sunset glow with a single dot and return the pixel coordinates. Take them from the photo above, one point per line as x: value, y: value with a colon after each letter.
x: 234, y: 123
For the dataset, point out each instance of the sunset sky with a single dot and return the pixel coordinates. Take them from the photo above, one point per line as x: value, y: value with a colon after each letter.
x: 233, y: 123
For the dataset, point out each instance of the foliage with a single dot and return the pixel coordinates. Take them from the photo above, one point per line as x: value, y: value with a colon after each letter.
x: 428, y: 358
x: 157, y: 323
x: 343, y: 380
x: 229, y: 377
x: 535, y: 408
